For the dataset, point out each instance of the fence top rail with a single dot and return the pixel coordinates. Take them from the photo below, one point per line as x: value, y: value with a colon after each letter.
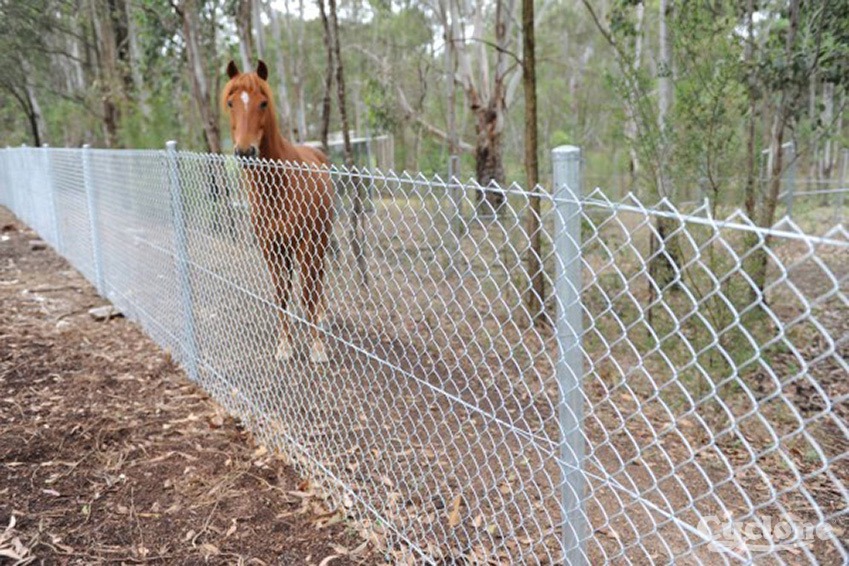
x: 784, y: 228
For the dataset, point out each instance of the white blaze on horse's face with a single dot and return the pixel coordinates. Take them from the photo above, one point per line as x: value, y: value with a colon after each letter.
x: 247, y: 122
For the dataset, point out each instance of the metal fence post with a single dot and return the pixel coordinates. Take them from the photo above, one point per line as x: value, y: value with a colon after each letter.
x: 24, y: 194
x: 6, y: 191
x: 566, y: 162
x: 181, y: 258
x: 11, y: 191
x: 51, y: 186
x: 91, y: 201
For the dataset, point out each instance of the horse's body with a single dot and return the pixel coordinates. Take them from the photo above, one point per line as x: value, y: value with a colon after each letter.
x: 291, y: 207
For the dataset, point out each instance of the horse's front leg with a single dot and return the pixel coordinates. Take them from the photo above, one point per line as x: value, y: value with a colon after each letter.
x: 311, y: 259
x: 278, y: 257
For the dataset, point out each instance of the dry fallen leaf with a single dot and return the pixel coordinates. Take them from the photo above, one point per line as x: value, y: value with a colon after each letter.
x: 454, y: 516
x: 328, y: 519
x: 231, y: 530
x: 301, y: 494
x: 328, y: 560
x: 10, y: 545
x: 359, y: 550
x: 209, y: 550
x: 608, y: 532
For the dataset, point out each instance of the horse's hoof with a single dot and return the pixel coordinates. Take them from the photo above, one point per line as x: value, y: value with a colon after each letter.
x: 318, y: 353
x: 284, y: 351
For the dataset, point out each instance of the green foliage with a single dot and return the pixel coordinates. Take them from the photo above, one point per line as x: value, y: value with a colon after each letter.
x: 380, y: 107
x: 709, y: 100
x: 587, y: 88
x: 559, y: 137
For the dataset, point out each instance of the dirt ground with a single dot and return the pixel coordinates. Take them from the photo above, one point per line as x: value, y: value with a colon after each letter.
x: 109, y: 454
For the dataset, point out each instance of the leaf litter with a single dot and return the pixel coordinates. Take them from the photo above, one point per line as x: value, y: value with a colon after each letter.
x: 131, y: 461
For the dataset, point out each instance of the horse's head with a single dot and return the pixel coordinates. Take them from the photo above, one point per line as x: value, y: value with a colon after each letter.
x: 247, y: 98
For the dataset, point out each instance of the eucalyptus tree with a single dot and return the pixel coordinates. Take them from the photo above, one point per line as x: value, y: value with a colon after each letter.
x: 198, y: 19
x: 803, y: 40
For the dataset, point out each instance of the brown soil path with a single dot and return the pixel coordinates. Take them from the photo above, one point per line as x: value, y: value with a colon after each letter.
x: 108, y: 454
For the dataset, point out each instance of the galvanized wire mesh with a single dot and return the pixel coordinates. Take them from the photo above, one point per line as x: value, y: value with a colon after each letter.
x: 690, y: 401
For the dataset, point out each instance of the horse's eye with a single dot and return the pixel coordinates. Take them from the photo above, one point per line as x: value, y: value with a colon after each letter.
x: 263, y: 104
x: 229, y: 104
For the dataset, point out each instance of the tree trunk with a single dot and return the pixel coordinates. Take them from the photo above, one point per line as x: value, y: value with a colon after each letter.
x: 751, y: 156
x: 488, y: 97
x: 208, y: 110
x: 489, y: 160
x: 106, y: 49
x: 450, y: 83
x: 340, y: 85
x: 244, y: 14
x: 536, y: 293
x: 456, y: 224
x: 759, y: 258
x: 298, y: 76
x: 357, y: 239
x: 664, y: 98
x: 284, y: 110
x: 36, y: 134
x: 631, y: 130
x: 135, y: 63
x: 259, y: 30
x: 29, y: 102
x: 328, y: 76
x: 828, y: 159
x: 78, y: 51
x: 664, y: 262
x: 27, y: 106
x: 750, y: 189
x: 814, y: 164
x: 119, y: 12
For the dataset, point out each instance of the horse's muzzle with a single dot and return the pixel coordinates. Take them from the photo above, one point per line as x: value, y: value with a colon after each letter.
x: 250, y: 151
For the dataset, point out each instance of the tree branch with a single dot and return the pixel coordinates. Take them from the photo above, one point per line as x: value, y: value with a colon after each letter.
x: 406, y: 108
x: 495, y: 46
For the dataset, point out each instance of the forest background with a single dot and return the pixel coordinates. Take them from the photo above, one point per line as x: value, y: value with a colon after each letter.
x: 666, y: 98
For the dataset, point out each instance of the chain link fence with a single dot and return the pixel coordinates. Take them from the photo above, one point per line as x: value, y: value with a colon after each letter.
x: 688, y: 403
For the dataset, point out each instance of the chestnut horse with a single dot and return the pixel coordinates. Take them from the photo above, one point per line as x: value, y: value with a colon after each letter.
x: 291, y: 206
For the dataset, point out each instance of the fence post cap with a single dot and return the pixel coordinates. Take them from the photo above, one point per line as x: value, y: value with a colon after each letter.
x: 564, y: 152
x: 171, y: 144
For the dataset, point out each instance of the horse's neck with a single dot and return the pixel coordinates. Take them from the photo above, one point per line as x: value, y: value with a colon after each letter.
x: 275, y: 146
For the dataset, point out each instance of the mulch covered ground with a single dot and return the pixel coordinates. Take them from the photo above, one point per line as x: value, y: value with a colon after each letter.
x: 109, y: 454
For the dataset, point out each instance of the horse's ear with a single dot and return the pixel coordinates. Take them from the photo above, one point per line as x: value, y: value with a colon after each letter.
x: 262, y: 70
x: 232, y: 69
